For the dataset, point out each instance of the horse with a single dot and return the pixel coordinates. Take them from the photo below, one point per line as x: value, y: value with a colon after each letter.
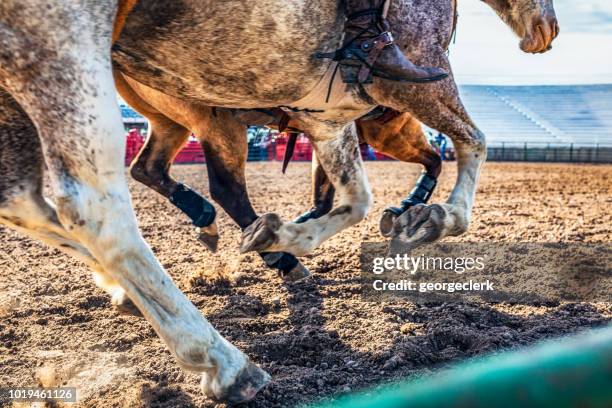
x: 221, y: 133
x: 58, y: 87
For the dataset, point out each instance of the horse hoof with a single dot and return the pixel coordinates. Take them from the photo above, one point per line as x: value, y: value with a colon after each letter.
x: 387, y: 220
x: 295, y: 274
x: 246, y: 386
x: 126, y: 307
x: 209, y: 236
x: 261, y: 234
x: 418, y: 225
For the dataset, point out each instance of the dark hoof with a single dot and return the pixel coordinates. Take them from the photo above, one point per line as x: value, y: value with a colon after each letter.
x: 261, y: 234
x: 418, y: 225
x: 127, y: 307
x: 295, y: 274
x: 387, y: 220
x: 248, y: 383
x: 209, y: 241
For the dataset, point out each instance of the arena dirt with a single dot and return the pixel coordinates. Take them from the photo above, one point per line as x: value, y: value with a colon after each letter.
x: 317, y: 338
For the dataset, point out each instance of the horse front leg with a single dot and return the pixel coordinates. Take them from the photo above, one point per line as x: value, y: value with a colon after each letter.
x: 439, y: 106
x: 65, y: 85
x: 341, y: 160
x: 402, y: 138
x: 152, y: 165
x: 226, y: 149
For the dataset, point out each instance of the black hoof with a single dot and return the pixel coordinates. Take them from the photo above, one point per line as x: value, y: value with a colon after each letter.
x: 295, y: 274
x: 209, y: 241
x: 289, y: 268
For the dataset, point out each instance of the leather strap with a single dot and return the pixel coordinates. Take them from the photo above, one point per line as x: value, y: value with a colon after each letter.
x: 387, y: 116
x: 291, y: 141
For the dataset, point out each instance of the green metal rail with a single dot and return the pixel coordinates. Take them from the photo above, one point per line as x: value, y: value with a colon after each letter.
x: 571, y: 372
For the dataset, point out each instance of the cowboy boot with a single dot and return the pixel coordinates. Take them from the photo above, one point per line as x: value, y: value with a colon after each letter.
x: 369, y: 48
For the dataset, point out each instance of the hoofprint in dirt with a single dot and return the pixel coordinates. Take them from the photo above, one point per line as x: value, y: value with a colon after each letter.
x: 317, y: 338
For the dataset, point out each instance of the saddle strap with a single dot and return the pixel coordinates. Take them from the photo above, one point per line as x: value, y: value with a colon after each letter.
x: 289, y: 150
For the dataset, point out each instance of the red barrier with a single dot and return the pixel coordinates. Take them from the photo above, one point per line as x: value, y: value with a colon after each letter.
x: 302, y: 151
x: 134, y: 143
x: 191, y: 153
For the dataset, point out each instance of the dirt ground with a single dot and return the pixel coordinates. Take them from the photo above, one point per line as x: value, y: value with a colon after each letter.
x: 317, y: 338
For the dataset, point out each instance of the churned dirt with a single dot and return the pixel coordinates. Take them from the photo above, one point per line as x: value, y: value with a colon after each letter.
x: 317, y: 338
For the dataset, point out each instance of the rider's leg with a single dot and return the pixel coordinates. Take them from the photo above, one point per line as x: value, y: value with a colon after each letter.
x: 369, y: 48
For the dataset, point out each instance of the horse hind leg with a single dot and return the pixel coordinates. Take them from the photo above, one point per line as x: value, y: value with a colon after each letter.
x: 224, y: 143
x: 84, y: 158
x: 403, y: 139
x: 439, y: 106
x: 152, y: 165
x: 22, y: 204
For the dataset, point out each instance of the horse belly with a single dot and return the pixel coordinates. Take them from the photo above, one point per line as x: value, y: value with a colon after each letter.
x: 233, y: 53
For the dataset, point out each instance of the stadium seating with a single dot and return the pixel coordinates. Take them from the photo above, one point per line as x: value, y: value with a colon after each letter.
x: 556, y: 115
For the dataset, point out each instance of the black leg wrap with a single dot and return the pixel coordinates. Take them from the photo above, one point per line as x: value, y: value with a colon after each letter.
x: 421, y: 192
x: 282, y: 261
x: 200, y: 210
x: 309, y: 215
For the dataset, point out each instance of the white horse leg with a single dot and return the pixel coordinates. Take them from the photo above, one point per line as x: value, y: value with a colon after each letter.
x: 64, y: 83
x: 341, y: 160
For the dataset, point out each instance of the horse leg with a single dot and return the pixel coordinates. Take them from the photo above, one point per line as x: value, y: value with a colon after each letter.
x: 152, y: 165
x: 224, y: 143
x: 403, y: 139
x: 341, y: 160
x: 22, y: 204
x: 439, y: 106
x: 70, y: 97
x: 225, y: 147
x: 322, y: 193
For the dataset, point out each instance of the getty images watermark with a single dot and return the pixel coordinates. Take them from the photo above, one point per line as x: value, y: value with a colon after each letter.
x: 513, y: 272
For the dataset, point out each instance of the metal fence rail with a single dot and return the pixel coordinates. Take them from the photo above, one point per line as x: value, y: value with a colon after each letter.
x: 548, y: 152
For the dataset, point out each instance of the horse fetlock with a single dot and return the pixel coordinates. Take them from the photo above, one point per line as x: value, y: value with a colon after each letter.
x: 360, y: 210
x: 458, y: 220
